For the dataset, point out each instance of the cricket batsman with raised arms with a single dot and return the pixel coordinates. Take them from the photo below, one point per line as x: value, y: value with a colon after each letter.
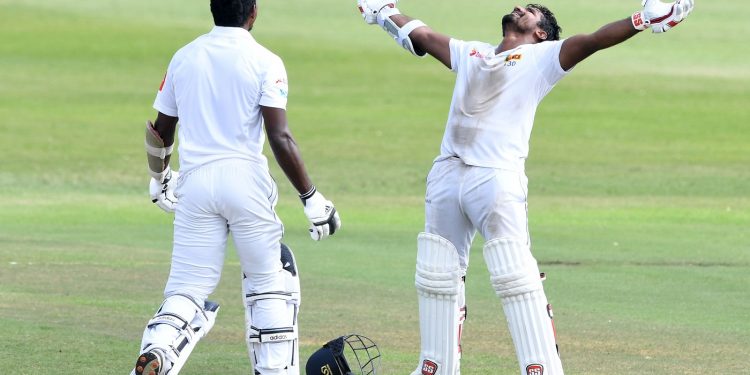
x: 478, y: 182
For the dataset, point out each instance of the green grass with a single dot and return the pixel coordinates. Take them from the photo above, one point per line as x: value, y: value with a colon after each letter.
x: 639, y: 204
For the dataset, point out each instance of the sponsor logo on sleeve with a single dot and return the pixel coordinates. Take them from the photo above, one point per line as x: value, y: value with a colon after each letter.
x: 475, y: 53
x: 283, y: 86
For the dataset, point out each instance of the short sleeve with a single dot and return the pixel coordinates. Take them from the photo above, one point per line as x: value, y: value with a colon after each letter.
x: 457, y: 48
x: 165, y: 99
x: 548, y: 60
x: 275, y: 87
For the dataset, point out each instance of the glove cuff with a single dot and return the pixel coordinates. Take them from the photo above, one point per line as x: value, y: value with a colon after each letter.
x: 161, y: 176
x: 639, y: 21
x: 305, y: 196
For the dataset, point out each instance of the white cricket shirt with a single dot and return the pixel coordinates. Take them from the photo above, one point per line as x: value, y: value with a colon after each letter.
x: 495, y: 100
x: 216, y: 85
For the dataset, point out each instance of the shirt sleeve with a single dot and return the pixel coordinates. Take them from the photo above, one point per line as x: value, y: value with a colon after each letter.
x: 165, y: 99
x: 548, y: 59
x: 457, y: 48
x: 275, y: 88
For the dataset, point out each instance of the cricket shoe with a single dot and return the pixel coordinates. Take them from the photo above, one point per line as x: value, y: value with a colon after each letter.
x: 151, y: 363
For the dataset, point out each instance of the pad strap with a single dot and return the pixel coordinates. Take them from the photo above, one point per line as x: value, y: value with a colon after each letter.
x: 253, y: 297
x: 258, y: 335
x: 173, y: 320
x: 271, y: 334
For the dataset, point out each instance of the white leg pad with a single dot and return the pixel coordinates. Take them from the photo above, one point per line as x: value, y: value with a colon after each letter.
x: 271, y: 323
x: 515, y: 277
x: 440, y: 290
x: 176, y: 328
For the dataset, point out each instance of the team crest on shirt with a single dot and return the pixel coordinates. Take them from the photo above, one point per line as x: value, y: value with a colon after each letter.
x: 514, y: 57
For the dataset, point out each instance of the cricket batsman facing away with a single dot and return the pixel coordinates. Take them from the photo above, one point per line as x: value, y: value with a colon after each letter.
x: 478, y: 182
x: 224, y: 88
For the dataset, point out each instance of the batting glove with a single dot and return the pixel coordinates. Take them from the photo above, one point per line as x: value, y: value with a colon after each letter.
x: 162, y: 193
x: 661, y: 16
x: 371, y: 8
x: 324, y: 220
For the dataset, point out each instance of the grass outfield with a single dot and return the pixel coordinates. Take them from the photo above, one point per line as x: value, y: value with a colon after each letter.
x: 639, y: 204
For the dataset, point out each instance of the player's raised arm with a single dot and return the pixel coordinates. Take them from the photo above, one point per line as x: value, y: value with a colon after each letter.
x: 655, y: 14
x: 412, y: 34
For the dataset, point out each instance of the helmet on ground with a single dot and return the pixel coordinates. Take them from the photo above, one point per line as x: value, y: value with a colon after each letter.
x: 346, y: 355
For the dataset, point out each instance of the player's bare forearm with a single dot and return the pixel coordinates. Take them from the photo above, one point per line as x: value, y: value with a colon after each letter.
x: 427, y: 40
x: 577, y: 48
x: 285, y: 148
x: 166, y: 127
x: 287, y: 155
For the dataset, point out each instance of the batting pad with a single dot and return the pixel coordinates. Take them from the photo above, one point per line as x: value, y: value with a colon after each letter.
x: 440, y: 291
x: 515, y: 277
x: 271, y: 324
x: 176, y: 328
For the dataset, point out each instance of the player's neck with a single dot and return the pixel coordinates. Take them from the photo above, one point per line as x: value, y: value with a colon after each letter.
x: 513, y: 40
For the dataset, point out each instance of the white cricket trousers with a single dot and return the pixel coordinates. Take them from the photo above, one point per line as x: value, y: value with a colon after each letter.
x: 227, y: 196
x: 463, y: 199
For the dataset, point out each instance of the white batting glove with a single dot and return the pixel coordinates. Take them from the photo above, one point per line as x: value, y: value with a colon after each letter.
x: 324, y: 220
x: 661, y: 16
x: 162, y: 193
x: 371, y: 8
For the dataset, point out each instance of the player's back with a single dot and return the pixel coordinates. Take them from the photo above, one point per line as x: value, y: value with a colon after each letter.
x: 218, y: 82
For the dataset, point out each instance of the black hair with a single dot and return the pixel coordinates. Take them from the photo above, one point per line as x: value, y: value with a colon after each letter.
x: 231, y: 13
x: 548, y: 22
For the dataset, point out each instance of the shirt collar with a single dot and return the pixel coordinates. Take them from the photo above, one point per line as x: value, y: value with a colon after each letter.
x: 231, y: 32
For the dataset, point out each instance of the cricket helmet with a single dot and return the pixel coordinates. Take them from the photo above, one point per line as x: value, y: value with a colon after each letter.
x: 346, y: 355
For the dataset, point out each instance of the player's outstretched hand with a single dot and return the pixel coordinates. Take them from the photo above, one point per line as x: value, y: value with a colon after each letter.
x: 662, y: 16
x: 324, y: 220
x: 162, y: 192
x: 371, y: 8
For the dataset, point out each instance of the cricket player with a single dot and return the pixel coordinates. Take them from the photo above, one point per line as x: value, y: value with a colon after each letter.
x: 478, y: 183
x: 224, y: 89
